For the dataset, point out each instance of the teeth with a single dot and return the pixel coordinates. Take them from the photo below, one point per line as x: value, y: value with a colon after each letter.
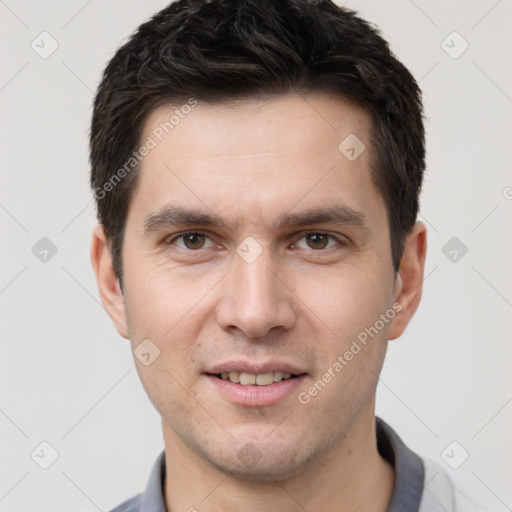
x: 246, y: 379
x: 249, y: 379
x: 234, y: 376
x: 264, y: 379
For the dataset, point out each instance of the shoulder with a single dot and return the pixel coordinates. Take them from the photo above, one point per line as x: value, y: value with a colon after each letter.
x: 131, y: 505
x: 440, y: 493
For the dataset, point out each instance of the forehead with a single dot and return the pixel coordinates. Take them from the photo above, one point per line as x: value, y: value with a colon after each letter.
x: 290, y: 123
x: 257, y: 156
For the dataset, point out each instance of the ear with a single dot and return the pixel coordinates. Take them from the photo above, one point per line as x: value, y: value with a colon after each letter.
x: 409, y: 280
x: 108, y: 283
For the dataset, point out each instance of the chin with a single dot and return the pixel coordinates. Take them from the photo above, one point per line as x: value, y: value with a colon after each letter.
x: 262, y: 472
x: 272, y: 464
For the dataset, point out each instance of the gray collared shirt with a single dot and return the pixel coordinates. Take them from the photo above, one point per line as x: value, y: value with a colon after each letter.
x: 420, y: 484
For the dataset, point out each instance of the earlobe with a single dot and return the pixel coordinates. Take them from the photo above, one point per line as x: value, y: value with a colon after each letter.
x: 409, y: 280
x: 108, y: 284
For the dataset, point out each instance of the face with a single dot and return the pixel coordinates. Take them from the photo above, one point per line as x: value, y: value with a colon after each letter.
x: 255, y: 246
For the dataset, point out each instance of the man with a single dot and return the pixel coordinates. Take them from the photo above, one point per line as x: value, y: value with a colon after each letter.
x: 257, y: 167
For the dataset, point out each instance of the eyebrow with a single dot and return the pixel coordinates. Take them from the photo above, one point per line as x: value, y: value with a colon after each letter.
x: 171, y: 216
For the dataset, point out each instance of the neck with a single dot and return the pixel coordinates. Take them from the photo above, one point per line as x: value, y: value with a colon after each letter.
x: 350, y: 476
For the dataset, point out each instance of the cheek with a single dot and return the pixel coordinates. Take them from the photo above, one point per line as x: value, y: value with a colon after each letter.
x: 170, y: 307
x: 354, y: 348
x: 347, y: 300
x: 159, y: 294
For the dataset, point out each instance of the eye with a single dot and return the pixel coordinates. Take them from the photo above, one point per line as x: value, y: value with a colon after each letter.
x: 318, y: 241
x: 192, y: 240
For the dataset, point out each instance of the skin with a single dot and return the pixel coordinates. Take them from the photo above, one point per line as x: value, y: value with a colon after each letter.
x: 201, y: 304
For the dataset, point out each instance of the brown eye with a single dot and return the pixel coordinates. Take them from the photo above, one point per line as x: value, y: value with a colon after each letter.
x: 193, y: 240
x: 317, y: 240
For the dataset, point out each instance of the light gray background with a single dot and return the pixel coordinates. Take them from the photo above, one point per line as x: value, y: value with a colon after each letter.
x: 67, y: 378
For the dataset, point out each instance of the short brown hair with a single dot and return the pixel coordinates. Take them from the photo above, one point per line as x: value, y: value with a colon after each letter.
x: 220, y: 50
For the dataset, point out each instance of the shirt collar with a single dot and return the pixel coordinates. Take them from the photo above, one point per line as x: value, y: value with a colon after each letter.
x: 407, y: 492
x: 409, y: 470
x: 152, y: 500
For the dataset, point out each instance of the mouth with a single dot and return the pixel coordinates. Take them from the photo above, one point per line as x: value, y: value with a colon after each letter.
x: 252, y: 379
x: 255, y: 385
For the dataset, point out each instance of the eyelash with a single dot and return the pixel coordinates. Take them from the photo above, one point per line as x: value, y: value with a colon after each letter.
x: 341, y: 243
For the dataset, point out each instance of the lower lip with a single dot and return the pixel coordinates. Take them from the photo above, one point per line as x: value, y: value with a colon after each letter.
x: 256, y: 396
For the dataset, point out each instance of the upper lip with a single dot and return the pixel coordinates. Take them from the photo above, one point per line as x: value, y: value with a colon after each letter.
x: 255, y: 368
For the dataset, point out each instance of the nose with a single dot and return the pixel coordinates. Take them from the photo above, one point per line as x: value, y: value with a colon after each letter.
x: 255, y: 299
